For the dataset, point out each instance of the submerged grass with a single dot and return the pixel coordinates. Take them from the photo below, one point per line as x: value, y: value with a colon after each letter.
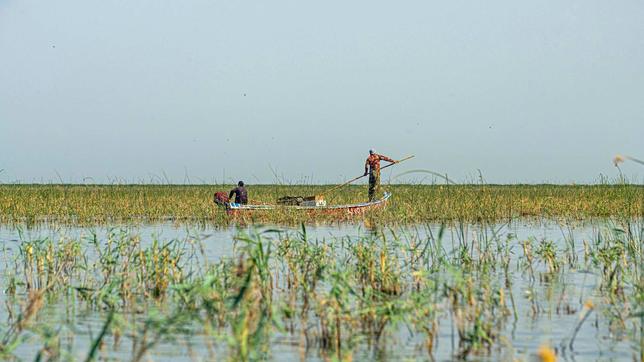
x: 338, y: 299
x: 102, y: 204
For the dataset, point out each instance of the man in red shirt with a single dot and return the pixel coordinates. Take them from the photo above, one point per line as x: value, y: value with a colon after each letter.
x: 372, y: 168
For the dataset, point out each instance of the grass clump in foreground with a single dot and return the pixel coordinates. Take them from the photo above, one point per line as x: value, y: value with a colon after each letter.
x: 96, y: 204
x: 385, y: 295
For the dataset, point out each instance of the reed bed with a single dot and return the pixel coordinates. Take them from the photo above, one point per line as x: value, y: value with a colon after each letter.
x: 388, y: 294
x: 410, y: 204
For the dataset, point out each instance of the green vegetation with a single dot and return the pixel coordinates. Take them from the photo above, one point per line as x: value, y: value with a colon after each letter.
x: 283, y: 295
x: 78, y: 204
x: 460, y: 289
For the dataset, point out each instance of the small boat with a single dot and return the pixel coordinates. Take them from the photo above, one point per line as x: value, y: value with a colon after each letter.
x: 350, y: 209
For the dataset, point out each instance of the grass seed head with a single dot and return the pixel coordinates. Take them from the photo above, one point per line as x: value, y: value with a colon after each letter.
x: 546, y: 354
x: 617, y: 160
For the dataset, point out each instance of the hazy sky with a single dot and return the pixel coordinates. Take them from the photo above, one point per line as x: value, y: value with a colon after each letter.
x: 539, y: 91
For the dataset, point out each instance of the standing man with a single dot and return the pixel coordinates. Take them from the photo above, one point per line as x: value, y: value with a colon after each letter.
x: 241, y: 196
x: 372, y: 167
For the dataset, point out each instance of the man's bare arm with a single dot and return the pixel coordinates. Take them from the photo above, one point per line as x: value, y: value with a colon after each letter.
x: 385, y: 158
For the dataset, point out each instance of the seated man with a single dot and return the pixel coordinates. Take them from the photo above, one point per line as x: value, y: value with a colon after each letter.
x: 241, y: 196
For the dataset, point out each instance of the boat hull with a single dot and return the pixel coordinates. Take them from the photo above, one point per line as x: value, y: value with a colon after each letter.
x: 350, y: 209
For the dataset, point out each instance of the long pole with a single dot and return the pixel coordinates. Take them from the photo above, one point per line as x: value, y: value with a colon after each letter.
x: 359, y: 177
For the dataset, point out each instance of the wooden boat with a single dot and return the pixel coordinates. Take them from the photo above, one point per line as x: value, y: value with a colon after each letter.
x: 350, y: 209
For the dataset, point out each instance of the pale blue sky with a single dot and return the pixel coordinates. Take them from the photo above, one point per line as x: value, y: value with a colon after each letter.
x: 541, y: 91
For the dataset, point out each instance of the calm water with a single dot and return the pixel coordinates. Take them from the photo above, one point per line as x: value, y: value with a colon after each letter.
x: 520, y: 338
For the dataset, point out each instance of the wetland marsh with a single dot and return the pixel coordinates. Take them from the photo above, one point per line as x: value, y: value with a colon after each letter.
x: 410, y: 204
x: 480, y: 273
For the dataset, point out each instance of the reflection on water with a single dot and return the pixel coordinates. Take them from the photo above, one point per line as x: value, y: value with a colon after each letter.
x: 545, y: 307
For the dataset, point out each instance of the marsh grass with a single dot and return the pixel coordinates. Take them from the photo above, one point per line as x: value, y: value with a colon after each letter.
x: 337, y: 299
x: 410, y: 204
